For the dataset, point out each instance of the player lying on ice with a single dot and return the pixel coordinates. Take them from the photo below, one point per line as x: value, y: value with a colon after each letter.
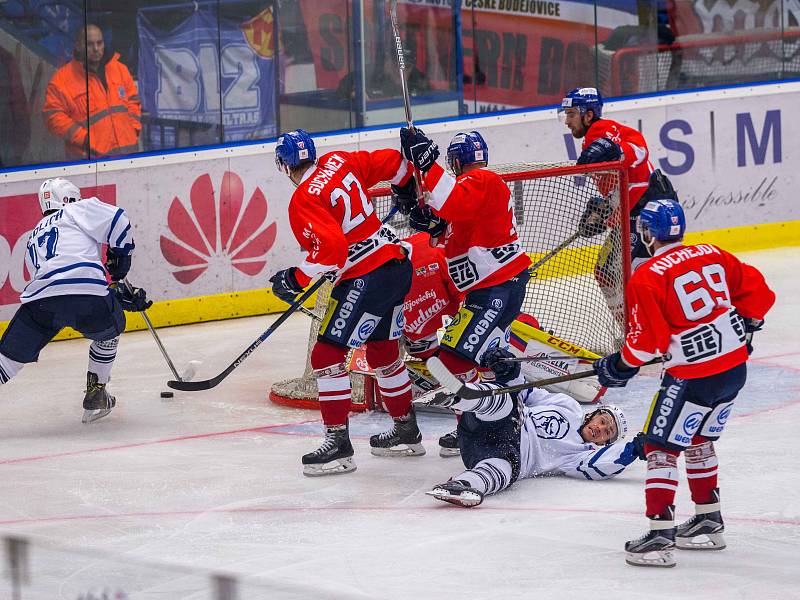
x: 528, y: 434
x: 69, y: 287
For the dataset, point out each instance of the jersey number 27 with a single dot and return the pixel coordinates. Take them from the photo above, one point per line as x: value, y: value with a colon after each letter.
x: 357, y: 209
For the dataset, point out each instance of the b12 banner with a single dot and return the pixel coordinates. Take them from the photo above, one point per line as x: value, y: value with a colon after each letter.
x: 208, y: 69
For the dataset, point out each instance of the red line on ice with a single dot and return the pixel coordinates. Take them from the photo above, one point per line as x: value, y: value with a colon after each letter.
x: 357, y: 509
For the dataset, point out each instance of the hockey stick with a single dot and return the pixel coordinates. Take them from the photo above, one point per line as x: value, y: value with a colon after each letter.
x: 535, y: 266
x: 462, y: 390
x: 194, y: 386
x: 401, y: 64
x: 207, y: 384
x: 147, y: 322
x: 547, y: 358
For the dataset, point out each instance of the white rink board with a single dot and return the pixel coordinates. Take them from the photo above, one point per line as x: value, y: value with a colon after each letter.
x: 213, y: 480
x: 715, y: 190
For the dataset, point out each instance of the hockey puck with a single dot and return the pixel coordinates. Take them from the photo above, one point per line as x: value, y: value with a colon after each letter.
x: 167, y: 394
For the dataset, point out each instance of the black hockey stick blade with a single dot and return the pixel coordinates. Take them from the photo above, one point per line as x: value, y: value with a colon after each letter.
x: 196, y: 386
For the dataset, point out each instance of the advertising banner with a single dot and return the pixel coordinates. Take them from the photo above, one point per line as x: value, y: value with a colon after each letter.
x: 208, y: 70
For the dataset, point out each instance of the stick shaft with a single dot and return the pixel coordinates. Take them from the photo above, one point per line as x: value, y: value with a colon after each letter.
x: 553, y: 252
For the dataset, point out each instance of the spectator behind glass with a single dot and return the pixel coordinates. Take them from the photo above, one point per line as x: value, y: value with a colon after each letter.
x: 114, y: 112
x: 15, y: 113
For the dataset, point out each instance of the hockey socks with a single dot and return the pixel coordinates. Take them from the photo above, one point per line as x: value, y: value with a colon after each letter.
x: 101, y: 358
x: 333, y: 382
x: 662, y: 479
x: 489, y: 476
x: 8, y: 368
x: 701, y: 470
x: 393, y: 380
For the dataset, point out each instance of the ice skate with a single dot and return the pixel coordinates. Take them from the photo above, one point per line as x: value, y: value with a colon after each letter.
x: 448, y: 445
x: 704, y: 530
x: 457, y: 492
x: 403, y: 439
x: 97, y: 402
x: 654, y: 548
x: 333, y: 457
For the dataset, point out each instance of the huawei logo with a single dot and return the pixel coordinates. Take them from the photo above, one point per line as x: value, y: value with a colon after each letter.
x: 218, y: 230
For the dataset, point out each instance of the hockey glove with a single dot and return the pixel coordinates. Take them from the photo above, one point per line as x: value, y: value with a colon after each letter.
x: 132, y: 299
x: 422, y: 218
x: 638, y: 445
x: 405, y: 197
x: 750, y: 327
x: 600, y: 150
x: 660, y: 187
x: 610, y: 371
x: 593, y: 220
x: 504, y: 370
x: 118, y: 263
x: 285, y: 285
x: 417, y: 148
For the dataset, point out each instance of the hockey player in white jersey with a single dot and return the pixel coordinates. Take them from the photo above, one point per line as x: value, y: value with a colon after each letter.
x: 530, y: 434
x: 70, y: 289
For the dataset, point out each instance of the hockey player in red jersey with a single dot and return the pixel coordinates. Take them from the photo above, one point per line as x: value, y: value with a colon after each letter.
x: 472, y: 212
x: 605, y: 140
x: 697, y: 307
x: 334, y: 221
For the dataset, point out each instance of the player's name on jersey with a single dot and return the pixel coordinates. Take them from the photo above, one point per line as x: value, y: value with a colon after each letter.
x: 678, y: 256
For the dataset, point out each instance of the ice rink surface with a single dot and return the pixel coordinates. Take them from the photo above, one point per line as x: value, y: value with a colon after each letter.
x: 213, y: 480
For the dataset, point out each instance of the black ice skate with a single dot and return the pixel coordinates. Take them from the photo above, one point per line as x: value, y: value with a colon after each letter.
x: 97, y: 402
x: 457, y: 492
x: 333, y: 457
x: 704, y: 530
x: 654, y: 549
x: 403, y: 439
x: 448, y: 445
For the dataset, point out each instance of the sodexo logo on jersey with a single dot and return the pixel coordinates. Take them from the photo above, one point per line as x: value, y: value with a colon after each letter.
x: 217, y: 229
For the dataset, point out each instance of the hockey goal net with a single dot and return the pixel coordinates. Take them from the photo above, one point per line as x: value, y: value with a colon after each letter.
x: 563, y: 293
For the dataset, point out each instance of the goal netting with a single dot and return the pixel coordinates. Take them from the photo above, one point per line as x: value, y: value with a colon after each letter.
x: 563, y: 294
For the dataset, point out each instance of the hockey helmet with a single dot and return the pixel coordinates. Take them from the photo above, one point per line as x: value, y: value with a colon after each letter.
x: 467, y: 148
x: 293, y: 149
x: 662, y: 220
x: 583, y: 99
x: 55, y: 193
x: 620, y: 420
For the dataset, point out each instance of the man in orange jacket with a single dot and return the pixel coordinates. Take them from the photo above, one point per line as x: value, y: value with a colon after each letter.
x: 113, y: 122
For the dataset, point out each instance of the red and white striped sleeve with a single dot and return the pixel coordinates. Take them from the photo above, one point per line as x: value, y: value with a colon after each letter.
x: 318, y: 234
x: 648, y: 331
x: 382, y: 165
x: 750, y: 294
x: 455, y: 199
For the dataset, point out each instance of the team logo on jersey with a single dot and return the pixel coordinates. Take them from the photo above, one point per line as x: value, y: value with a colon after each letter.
x: 217, y: 229
x: 550, y: 425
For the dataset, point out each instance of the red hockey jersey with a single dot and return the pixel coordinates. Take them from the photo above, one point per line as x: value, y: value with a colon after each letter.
x: 481, y: 243
x: 334, y: 220
x: 636, y: 156
x: 432, y: 295
x: 687, y: 303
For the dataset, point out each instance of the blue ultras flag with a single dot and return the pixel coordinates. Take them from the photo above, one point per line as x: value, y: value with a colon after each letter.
x: 189, y: 86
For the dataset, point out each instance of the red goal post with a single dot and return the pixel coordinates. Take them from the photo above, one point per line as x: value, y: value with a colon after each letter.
x: 563, y: 294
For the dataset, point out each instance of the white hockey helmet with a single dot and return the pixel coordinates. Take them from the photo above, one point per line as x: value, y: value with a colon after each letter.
x: 615, y: 412
x: 55, y: 193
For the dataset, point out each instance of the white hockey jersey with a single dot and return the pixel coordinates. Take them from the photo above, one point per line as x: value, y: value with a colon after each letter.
x: 64, y: 254
x: 550, y: 442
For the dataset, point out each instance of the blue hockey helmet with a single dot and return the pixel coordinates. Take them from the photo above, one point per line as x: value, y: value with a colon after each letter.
x: 294, y: 148
x: 662, y: 220
x: 583, y: 99
x: 467, y: 148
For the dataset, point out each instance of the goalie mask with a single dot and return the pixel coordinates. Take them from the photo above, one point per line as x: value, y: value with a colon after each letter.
x: 466, y: 148
x: 661, y: 220
x: 55, y: 193
x: 293, y: 149
x: 620, y: 421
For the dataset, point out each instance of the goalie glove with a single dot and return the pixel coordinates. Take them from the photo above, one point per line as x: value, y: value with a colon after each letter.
x: 418, y: 148
x: 132, y: 299
x: 405, y: 197
x: 611, y: 371
x: 422, y: 218
x: 593, y: 220
x: 600, y: 150
x: 285, y: 285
